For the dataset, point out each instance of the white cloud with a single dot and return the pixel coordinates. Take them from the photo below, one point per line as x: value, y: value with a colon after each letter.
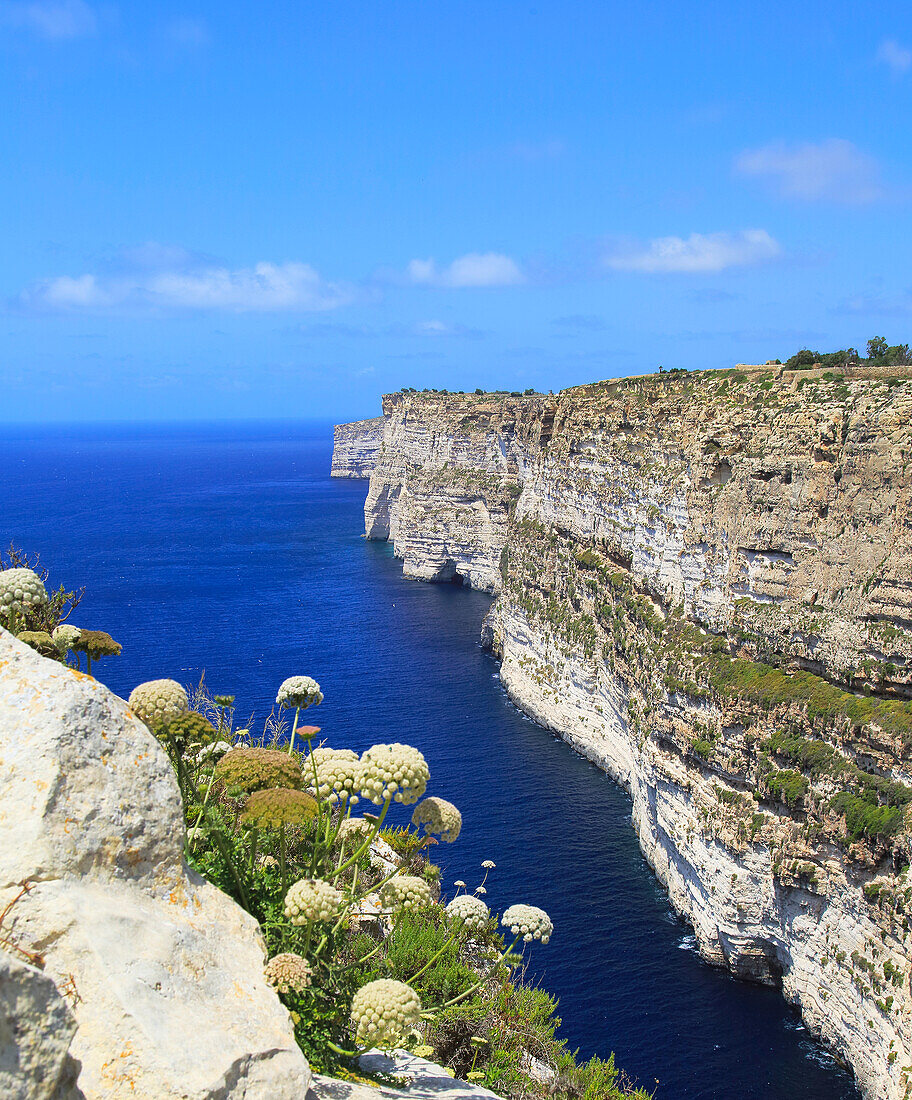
x: 834, y: 170
x: 263, y: 288
x: 50, y: 18
x: 472, y: 270
x: 697, y: 254
x: 897, y: 58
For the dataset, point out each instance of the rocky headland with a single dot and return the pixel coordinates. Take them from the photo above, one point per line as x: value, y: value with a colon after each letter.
x: 356, y: 447
x: 704, y: 584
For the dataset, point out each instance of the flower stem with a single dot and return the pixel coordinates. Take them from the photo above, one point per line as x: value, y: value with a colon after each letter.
x: 294, y: 727
x: 367, y: 843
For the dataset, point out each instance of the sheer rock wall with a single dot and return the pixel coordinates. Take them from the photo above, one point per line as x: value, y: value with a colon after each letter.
x: 704, y: 584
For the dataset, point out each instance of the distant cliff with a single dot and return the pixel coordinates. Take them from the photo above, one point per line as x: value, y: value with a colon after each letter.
x: 704, y: 584
x: 356, y: 447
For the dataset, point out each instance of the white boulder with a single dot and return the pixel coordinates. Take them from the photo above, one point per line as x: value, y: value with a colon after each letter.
x: 164, y: 973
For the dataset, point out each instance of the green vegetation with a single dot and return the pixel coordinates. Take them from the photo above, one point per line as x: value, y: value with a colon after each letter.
x: 771, y: 687
x: 788, y: 786
x: 879, y: 354
x: 273, y: 828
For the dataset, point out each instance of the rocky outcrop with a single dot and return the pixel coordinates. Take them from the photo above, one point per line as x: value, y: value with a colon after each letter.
x: 704, y: 584
x: 36, y: 1028
x: 163, y: 973
x: 356, y: 447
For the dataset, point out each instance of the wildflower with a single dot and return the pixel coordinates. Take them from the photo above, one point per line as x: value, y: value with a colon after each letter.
x: 299, y: 691
x: 459, y: 882
x: 488, y: 864
x: 480, y: 890
x: 20, y: 589
x: 423, y: 1051
x: 405, y: 892
x: 213, y: 752
x: 272, y: 808
x: 528, y: 921
x: 64, y: 636
x: 384, y: 1011
x: 157, y: 702
x: 469, y: 911
x: 338, y: 773
x: 40, y: 641
x: 393, y: 771
x: 356, y: 830
x: 96, y: 644
x: 312, y: 899
x: 288, y: 973
x: 190, y: 729
x: 254, y: 769
x: 438, y: 817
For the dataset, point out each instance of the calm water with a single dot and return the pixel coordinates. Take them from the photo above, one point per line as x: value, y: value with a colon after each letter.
x: 229, y: 549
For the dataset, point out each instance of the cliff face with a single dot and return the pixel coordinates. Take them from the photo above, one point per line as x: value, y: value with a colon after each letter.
x: 356, y: 447
x: 705, y: 585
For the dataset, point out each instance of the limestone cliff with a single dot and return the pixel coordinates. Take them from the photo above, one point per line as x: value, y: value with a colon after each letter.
x: 356, y: 447
x: 704, y: 584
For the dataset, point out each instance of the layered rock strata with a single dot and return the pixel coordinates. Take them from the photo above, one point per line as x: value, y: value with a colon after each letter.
x: 356, y: 447
x: 162, y: 972
x: 704, y: 584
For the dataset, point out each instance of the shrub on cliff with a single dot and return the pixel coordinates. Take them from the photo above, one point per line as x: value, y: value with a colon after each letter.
x: 405, y: 973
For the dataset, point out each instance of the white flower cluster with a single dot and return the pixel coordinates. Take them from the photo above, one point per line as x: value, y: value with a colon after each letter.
x: 312, y: 899
x: 21, y: 588
x: 438, y: 817
x: 468, y: 911
x: 157, y: 702
x: 528, y: 921
x: 384, y: 1011
x: 355, y: 830
x: 405, y: 892
x: 338, y: 773
x: 299, y: 691
x: 393, y: 771
x: 64, y: 636
x: 288, y: 973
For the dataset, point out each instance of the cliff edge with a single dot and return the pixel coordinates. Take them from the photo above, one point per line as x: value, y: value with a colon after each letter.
x: 704, y: 584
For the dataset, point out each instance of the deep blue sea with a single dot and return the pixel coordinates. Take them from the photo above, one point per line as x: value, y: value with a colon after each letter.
x: 227, y: 548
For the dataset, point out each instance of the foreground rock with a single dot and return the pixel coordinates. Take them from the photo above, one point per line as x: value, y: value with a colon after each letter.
x: 423, y: 1081
x: 655, y: 543
x: 36, y: 1028
x: 162, y: 971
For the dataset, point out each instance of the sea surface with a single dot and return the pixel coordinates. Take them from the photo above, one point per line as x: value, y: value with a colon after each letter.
x: 228, y: 549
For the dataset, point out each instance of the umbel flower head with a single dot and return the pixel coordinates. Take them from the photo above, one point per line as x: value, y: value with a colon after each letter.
x: 40, y: 641
x: 338, y: 773
x: 271, y: 809
x: 312, y: 899
x: 384, y: 1011
x: 288, y: 973
x: 406, y: 892
x: 528, y: 921
x: 64, y: 636
x: 255, y: 769
x: 191, y: 728
x: 355, y: 830
x: 438, y: 817
x: 20, y: 589
x: 393, y: 771
x: 157, y: 702
x: 96, y: 643
x: 469, y: 911
x: 299, y: 691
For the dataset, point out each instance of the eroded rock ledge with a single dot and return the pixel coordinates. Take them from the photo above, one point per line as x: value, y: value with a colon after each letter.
x: 705, y: 585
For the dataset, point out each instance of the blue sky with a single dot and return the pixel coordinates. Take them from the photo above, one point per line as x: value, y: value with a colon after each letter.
x: 287, y: 209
